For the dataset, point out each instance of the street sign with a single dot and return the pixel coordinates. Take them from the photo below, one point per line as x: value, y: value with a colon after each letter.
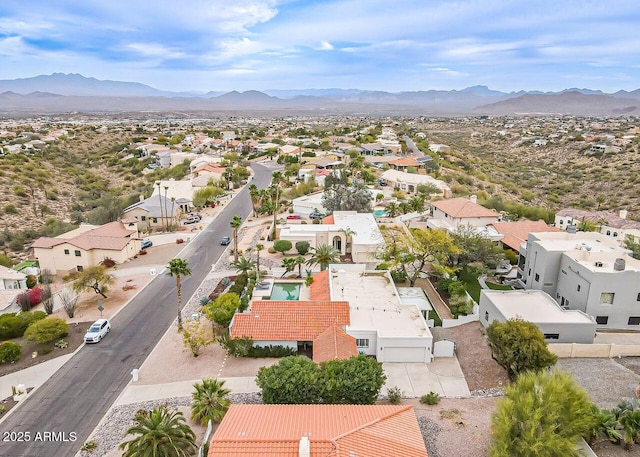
x: 100, y: 307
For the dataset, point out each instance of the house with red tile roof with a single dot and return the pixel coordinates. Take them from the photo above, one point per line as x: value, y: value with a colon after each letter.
x: 318, y: 431
x: 403, y: 163
x: 514, y: 234
x: 334, y: 344
x: 87, y: 246
x: 454, y: 213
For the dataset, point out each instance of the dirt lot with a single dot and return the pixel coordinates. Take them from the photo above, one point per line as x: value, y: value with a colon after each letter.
x: 474, y: 356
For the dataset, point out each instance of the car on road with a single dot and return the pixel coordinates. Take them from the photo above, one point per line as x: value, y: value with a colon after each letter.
x: 97, y: 331
x: 144, y: 244
x: 193, y: 219
x: 294, y: 216
x: 382, y: 183
x: 315, y: 215
x: 225, y: 240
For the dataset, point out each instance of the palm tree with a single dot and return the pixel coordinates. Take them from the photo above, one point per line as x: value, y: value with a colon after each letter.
x: 209, y: 401
x: 160, y: 433
x: 323, y: 255
x: 259, y: 247
x: 255, y: 195
x: 235, y: 224
x: 392, y: 209
x: 348, y: 234
x: 275, y: 183
x: 178, y: 268
x: 289, y: 263
x: 243, y: 264
x: 299, y: 260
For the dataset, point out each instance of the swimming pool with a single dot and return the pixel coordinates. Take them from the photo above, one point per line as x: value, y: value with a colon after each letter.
x: 285, y: 291
x: 380, y: 213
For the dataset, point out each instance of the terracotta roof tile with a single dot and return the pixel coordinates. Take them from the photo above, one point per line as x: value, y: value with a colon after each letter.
x: 319, y: 289
x: 515, y: 233
x: 333, y: 430
x: 111, y: 236
x: 289, y: 320
x: 405, y: 162
x: 461, y: 208
x: 333, y: 344
x: 328, y: 219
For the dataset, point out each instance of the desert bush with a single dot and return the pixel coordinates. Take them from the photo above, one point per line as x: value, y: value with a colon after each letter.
x: 10, y: 352
x: 394, y: 394
x: 282, y: 246
x: 31, y: 281
x: 432, y: 398
x: 46, y: 330
x: 14, y: 325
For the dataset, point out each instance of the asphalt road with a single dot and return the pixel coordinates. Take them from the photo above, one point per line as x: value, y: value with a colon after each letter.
x: 59, y: 416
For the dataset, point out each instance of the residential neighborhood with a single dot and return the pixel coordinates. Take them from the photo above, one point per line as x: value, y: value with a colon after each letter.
x: 324, y: 250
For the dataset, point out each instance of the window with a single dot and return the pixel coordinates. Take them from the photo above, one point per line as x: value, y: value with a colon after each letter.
x: 633, y: 320
x: 143, y: 218
x: 79, y: 268
x: 551, y: 336
x: 615, y: 234
x: 362, y: 342
x: 602, y: 320
x: 154, y: 220
x: 561, y: 221
x: 578, y: 287
x: 607, y: 298
x: 78, y: 253
x: 638, y: 297
x: 66, y: 252
x: 537, y: 278
x: 608, y: 232
x: 486, y: 316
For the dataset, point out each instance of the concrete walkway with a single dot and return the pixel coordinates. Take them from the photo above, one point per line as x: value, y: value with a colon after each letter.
x: 434, y: 297
x: 33, y: 376
x: 134, y: 393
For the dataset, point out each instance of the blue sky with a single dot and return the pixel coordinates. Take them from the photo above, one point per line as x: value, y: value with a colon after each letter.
x: 392, y: 45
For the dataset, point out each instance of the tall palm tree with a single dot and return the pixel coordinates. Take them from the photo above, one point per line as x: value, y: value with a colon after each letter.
x: 179, y: 268
x: 299, y: 260
x: 243, y: 265
x: 209, y: 401
x: 255, y: 195
x: 289, y: 263
x: 235, y: 224
x: 348, y: 234
x: 323, y: 255
x: 160, y: 433
x: 259, y: 247
x: 275, y: 183
x: 392, y: 208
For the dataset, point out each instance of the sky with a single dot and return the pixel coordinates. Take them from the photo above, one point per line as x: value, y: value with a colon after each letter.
x: 390, y: 45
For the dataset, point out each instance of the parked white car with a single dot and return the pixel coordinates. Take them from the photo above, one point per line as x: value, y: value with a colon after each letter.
x: 97, y: 331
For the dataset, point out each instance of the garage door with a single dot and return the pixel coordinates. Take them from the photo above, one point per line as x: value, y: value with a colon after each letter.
x: 404, y: 355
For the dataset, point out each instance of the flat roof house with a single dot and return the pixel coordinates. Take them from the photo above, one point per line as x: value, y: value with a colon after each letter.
x: 558, y: 325
x: 587, y: 271
x: 318, y: 431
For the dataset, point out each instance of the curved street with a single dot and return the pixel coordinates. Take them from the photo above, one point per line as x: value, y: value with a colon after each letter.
x: 59, y: 416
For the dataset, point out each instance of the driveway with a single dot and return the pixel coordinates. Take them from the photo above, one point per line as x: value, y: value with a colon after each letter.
x: 443, y: 376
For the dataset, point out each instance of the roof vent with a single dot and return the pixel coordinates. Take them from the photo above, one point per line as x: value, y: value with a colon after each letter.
x: 572, y: 229
x: 599, y: 264
x: 304, y: 449
x: 619, y: 265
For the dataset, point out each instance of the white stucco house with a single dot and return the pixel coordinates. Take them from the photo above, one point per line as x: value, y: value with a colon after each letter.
x: 586, y: 271
x: 557, y: 324
x: 347, y: 231
x: 609, y: 223
x: 409, y: 182
x: 307, y: 204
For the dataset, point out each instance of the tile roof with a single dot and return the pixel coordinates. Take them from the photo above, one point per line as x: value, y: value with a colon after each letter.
x: 328, y: 220
x: 333, y: 344
x: 333, y: 430
x: 516, y: 233
x: 289, y: 320
x: 319, y: 289
x: 112, y: 236
x: 405, y: 162
x: 462, y: 208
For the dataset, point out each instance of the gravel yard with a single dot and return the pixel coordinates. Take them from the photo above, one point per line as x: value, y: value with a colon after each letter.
x: 474, y: 356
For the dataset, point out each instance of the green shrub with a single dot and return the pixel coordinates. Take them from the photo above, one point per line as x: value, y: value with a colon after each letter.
x: 282, y: 246
x: 302, y: 247
x: 432, y: 398
x: 394, y: 394
x: 45, y: 330
x: 10, y: 352
x: 271, y: 351
x: 62, y: 344
x: 14, y: 325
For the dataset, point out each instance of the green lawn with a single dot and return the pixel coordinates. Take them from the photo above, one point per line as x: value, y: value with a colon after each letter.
x: 473, y: 286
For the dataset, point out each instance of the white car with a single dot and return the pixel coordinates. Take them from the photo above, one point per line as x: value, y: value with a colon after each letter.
x: 97, y: 331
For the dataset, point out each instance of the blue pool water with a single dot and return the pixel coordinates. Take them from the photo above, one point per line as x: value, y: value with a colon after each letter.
x: 380, y: 213
x: 285, y: 291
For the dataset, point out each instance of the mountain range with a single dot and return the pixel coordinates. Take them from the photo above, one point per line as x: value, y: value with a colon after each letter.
x: 62, y: 93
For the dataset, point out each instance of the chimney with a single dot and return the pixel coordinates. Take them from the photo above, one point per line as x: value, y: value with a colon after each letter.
x: 473, y: 199
x: 304, y: 449
x: 141, y: 197
x: 623, y: 214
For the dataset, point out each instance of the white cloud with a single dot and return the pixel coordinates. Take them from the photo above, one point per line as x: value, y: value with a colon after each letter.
x: 325, y: 46
x: 155, y: 50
